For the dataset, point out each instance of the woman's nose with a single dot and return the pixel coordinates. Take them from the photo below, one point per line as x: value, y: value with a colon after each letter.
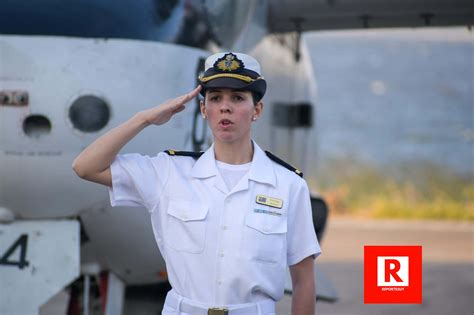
x: 225, y: 107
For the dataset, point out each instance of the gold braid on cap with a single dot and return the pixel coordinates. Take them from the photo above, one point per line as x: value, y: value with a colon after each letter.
x: 229, y: 75
x: 227, y: 66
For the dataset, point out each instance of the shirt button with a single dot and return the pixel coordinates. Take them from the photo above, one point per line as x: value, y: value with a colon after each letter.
x: 228, y: 200
x: 221, y: 253
x: 219, y: 282
x: 224, y: 227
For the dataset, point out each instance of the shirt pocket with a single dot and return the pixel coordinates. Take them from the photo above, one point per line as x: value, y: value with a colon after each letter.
x: 265, y: 237
x: 186, y: 226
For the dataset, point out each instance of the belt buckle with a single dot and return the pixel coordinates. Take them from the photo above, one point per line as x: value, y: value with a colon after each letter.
x: 217, y: 311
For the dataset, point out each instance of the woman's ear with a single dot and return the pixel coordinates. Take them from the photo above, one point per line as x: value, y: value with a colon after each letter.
x: 257, y: 110
x: 202, y: 107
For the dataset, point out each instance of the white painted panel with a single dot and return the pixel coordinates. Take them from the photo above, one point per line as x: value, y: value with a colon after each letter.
x: 52, y: 256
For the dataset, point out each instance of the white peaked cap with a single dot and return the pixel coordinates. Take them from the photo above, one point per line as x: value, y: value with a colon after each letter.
x: 250, y: 62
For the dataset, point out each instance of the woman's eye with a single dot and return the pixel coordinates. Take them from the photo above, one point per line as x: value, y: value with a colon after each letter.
x: 238, y: 98
x: 214, y: 98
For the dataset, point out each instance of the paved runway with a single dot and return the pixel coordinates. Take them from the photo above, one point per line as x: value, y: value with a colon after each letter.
x: 448, y: 265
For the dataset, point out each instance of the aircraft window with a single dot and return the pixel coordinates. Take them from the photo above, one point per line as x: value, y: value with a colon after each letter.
x: 155, y: 20
x: 36, y: 126
x: 89, y: 113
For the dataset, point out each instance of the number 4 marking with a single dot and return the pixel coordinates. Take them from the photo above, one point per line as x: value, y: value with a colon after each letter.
x: 21, y: 242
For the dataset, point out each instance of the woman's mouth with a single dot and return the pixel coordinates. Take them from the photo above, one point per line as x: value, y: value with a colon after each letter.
x: 225, y: 123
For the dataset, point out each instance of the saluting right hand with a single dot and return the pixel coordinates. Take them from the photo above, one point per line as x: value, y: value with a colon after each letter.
x: 162, y: 113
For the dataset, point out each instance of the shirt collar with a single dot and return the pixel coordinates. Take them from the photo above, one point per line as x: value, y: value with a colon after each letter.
x: 262, y: 167
x: 261, y: 170
x: 205, y: 166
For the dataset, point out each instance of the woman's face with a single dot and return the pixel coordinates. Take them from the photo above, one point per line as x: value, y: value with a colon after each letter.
x: 230, y: 114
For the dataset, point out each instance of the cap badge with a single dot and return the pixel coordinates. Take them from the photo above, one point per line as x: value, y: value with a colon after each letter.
x: 229, y: 62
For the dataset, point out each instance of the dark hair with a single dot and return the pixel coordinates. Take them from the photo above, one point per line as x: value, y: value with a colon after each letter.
x: 256, y: 97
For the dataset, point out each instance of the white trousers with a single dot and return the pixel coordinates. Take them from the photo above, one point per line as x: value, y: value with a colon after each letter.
x: 175, y: 304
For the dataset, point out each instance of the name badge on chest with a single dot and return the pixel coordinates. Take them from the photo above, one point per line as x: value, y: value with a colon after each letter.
x: 269, y: 201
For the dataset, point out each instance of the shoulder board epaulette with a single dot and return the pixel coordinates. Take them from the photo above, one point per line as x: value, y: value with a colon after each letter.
x: 283, y: 163
x: 195, y: 155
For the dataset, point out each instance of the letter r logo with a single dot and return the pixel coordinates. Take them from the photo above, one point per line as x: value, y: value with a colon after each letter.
x: 392, y: 271
x: 392, y: 266
x: 393, y: 274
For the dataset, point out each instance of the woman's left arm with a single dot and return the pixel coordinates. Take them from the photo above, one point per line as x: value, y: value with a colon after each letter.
x: 304, y: 289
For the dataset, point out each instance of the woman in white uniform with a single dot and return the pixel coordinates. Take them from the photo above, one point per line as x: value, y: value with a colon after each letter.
x: 228, y: 221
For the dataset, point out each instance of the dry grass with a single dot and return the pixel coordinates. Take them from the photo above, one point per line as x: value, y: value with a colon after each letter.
x: 417, y: 190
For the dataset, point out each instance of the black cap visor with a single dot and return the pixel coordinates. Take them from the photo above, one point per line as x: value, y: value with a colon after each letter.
x: 258, y: 86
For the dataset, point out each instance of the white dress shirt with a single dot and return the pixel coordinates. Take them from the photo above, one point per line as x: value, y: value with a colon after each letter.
x: 221, y: 247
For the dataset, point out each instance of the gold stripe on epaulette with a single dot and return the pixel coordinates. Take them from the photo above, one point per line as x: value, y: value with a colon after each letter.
x: 277, y: 160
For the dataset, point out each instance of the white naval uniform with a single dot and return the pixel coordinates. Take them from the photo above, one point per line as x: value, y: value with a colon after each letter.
x: 221, y: 247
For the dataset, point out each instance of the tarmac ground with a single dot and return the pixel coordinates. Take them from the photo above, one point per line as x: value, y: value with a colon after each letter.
x: 448, y: 265
x: 448, y: 269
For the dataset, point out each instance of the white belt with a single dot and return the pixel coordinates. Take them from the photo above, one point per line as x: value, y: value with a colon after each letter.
x: 182, y: 304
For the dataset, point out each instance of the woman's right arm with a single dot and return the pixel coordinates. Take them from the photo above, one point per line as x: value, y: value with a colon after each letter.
x: 94, y: 162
